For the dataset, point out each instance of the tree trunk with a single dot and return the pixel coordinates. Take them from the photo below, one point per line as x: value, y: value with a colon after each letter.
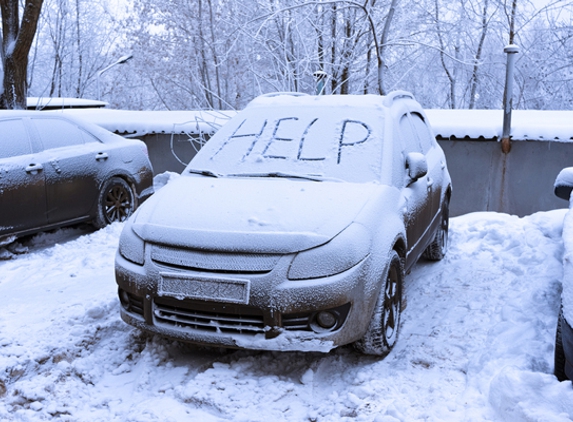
x: 16, y: 42
x: 475, y: 71
x: 383, y: 42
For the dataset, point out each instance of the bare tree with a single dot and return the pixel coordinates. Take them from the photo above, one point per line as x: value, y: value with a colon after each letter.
x: 16, y: 42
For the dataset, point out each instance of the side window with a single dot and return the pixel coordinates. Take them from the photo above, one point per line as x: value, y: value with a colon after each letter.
x: 408, y: 136
x: 423, y: 131
x: 57, y: 133
x: 13, y: 139
x: 88, y: 137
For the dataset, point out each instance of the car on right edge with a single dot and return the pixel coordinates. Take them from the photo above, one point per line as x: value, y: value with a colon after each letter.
x: 564, y: 333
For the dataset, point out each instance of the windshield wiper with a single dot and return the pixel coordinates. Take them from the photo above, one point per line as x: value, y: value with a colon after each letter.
x: 208, y: 173
x: 313, y: 177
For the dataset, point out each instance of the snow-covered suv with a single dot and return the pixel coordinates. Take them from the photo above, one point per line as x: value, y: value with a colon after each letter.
x: 564, y: 333
x: 292, y: 228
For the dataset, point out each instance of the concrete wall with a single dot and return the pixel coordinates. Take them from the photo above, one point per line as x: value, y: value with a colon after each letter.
x: 520, y: 182
x: 483, y: 178
x: 171, y: 152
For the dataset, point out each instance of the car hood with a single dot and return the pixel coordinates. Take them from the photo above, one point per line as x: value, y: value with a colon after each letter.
x: 259, y: 215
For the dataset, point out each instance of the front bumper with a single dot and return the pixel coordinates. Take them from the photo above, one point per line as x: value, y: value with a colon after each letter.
x: 275, y: 313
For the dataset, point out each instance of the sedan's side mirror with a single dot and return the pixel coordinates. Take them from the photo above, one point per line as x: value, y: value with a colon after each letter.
x: 416, y: 165
x: 564, y: 183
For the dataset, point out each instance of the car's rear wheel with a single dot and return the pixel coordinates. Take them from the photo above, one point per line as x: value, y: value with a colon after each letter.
x: 559, y: 356
x: 116, y: 202
x: 382, y: 332
x: 439, y: 246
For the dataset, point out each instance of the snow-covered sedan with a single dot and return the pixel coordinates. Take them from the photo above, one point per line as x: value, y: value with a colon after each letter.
x: 57, y: 171
x: 292, y: 228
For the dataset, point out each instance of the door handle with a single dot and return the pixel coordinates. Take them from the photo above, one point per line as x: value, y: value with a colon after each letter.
x: 34, y: 168
x: 101, y: 156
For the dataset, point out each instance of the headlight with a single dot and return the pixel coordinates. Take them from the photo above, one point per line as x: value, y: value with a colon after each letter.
x: 340, y: 254
x: 131, y: 246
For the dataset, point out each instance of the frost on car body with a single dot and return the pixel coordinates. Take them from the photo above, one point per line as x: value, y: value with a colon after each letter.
x: 57, y: 171
x: 292, y: 228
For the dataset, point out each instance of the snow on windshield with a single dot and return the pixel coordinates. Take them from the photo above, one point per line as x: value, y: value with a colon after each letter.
x: 330, y: 141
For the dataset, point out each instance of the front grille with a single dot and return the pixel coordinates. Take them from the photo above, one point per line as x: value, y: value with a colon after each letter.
x: 223, y: 262
x: 217, y: 319
x: 299, y: 322
x: 231, y: 318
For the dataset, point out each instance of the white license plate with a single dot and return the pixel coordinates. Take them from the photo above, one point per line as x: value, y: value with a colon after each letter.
x: 203, y: 288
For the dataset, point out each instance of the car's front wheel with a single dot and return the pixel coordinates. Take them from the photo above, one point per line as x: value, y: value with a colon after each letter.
x: 116, y: 202
x: 382, y: 332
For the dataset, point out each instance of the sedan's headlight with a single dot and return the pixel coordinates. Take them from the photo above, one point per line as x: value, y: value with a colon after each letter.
x: 343, y: 252
x: 131, y: 246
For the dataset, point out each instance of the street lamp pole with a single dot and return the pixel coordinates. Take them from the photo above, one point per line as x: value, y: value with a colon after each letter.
x: 121, y: 60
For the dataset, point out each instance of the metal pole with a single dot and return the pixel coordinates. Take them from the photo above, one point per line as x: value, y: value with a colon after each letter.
x: 320, y: 78
x: 511, y: 50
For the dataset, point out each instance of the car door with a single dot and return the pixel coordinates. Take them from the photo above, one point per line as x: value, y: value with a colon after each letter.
x: 434, y: 159
x: 72, y: 160
x: 417, y: 193
x: 22, y: 180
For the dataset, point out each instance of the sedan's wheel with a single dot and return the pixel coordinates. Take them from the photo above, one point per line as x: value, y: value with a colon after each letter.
x: 382, y: 332
x: 439, y: 246
x: 559, y: 356
x: 116, y: 202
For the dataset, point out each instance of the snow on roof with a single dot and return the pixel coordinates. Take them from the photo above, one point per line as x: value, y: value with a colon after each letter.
x: 529, y: 125
x: 139, y: 123
x: 526, y: 125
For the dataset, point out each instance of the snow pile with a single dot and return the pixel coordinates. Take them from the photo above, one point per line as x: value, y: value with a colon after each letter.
x: 476, y: 343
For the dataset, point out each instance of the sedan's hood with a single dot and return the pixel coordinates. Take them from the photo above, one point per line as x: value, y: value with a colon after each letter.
x: 250, y: 215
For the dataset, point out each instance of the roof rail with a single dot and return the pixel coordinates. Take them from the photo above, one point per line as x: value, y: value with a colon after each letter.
x: 276, y: 94
x: 396, y: 95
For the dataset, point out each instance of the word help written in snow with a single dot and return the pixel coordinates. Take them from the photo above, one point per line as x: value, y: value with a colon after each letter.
x: 270, y: 141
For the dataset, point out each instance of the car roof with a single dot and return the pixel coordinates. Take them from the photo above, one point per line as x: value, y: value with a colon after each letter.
x: 295, y: 99
x: 94, y: 129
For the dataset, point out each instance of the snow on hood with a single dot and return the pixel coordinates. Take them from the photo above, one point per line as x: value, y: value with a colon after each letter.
x: 250, y: 215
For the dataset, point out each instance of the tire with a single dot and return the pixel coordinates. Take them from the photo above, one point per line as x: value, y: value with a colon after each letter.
x: 559, y: 356
x: 439, y: 246
x: 116, y: 202
x: 382, y: 332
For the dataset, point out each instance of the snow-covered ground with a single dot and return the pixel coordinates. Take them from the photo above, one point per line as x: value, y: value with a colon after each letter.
x: 476, y: 342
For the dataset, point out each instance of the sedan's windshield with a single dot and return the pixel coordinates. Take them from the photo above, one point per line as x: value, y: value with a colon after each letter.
x: 317, y: 143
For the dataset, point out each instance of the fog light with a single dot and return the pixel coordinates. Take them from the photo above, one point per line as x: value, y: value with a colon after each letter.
x: 124, y: 298
x: 326, y: 319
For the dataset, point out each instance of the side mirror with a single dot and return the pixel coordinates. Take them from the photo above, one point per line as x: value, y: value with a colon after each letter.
x: 416, y: 165
x: 564, y: 183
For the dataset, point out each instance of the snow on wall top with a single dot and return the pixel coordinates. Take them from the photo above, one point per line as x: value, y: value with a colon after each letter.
x: 531, y: 125
x: 47, y: 103
x: 526, y: 125
x: 140, y: 123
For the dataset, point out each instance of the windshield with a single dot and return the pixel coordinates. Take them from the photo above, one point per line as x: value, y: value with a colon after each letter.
x: 317, y: 143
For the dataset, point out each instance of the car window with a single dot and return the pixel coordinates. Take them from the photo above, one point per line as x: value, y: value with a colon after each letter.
x: 409, y: 138
x: 14, y: 139
x: 330, y: 142
x: 57, y: 133
x: 423, y: 132
x: 88, y: 137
